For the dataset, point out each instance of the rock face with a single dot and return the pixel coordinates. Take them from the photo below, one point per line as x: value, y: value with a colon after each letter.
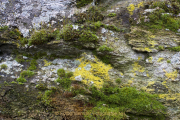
x: 139, y: 57
x: 25, y: 14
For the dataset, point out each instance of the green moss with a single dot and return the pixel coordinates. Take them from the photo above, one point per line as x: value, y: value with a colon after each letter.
x: 127, y: 98
x: 19, y: 58
x: 26, y: 74
x: 96, y: 25
x: 87, y: 36
x: 64, y: 78
x: 118, y: 80
x: 3, y: 28
x: 69, y: 74
x: 65, y: 82
x: 111, y: 15
x: 33, y: 65
x: 81, y: 3
x: 41, y: 86
x: 105, y: 48
x: 68, y: 33
x: 21, y: 80
x: 168, y: 61
x: 112, y: 27
x: 93, y: 14
x: 61, y: 72
x: 161, y: 48
x: 45, y: 98
x: 175, y: 48
x: 160, y: 20
x: 41, y: 37
x: 3, y: 66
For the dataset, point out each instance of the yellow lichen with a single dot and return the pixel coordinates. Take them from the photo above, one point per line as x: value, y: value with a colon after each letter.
x: 141, y: 4
x: 97, y: 74
x: 150, y: 90
x: 151, y: 83
x: 152, y: 43
x: 137, y: 67
x: 173, y: 97
x: 165, y: 84
x: 160, y: 59
x: 171, y: 75
x: 131, y: 8
x: 150, y: 59
x: 46, y: 63
x: 147, y: 49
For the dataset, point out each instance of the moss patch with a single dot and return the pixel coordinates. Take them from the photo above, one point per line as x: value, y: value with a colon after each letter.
x: 81, y: 3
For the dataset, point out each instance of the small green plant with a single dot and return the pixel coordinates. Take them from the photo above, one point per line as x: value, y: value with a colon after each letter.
x: 105, y: 48
x: 4, y: 66
x: 168, y: 61
x: 111, y: 15
x: 118, y: 80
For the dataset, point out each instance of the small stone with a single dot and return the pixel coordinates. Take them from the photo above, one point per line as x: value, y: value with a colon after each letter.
x: 178, y: 30
x: 78, y: 78
x: 24, y: 57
